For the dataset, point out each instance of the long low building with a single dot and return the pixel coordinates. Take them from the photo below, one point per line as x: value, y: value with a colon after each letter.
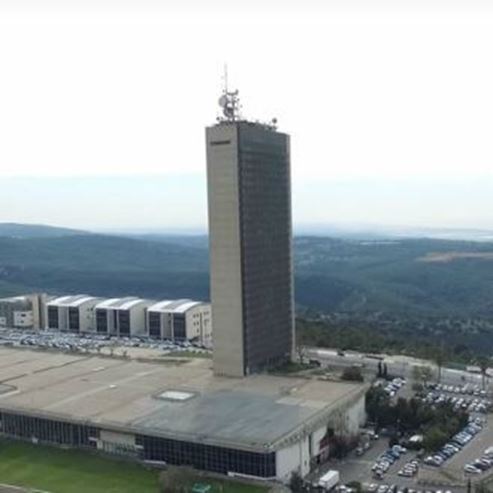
x: 22, y: 312
x: 72, y: 313
x: 263, y: 426
x: 122, y: 316
x: 180, y: 320
x: 177, y: 320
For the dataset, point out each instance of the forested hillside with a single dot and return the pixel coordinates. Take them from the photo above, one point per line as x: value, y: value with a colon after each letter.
x: 351, y: 276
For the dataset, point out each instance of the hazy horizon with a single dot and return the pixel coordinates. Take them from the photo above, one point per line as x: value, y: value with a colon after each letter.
x: 179, y: 202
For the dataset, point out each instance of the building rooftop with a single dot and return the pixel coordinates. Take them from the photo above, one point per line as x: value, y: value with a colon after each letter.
x: 178, y: 306
x: 14, y: 299
x: 71, y: 301
x: 120, y: 303
x: 170, y: 399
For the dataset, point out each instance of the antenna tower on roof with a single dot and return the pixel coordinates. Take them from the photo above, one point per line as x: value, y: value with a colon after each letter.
x: 229, y: 101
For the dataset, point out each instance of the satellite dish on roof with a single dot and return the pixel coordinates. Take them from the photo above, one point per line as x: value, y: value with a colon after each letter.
x: 223, y: 101
x: 229, y: 101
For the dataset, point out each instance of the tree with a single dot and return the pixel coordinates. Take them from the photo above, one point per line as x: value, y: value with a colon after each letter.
x: 340, y: 446
x: 296, y: 483
x: 378, y: 407
x: 301, y: 353
x: 483, y: 363
x: 356, y: 486
x: 439, y: 359
x: 434, y: 438
x: 174, y: 480
x: 393, y: 440
x: 422, y: 373
x: 352, y: 374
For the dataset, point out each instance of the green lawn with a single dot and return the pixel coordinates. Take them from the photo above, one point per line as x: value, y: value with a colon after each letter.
x: 71, y: 471
x: 226, y: 486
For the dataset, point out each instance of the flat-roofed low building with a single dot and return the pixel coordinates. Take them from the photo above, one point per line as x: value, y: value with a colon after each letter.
x: 122, y: 316
x: 180, y: 320
x: 22, y: 312
x: 73, y: 313
x: 263, y: 426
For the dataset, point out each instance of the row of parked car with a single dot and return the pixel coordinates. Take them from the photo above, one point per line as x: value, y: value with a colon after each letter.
x: 481, y: 464
x: 394, y: 386
x: 466, y: 389
x: 410, y: 469
x: 455, y: 444
x: 469, y: 404
x: 88, y: 342
x: 384, y: 461
x: 385, y: 488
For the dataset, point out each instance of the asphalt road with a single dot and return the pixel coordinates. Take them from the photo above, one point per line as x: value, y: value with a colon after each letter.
x: 397, y: 365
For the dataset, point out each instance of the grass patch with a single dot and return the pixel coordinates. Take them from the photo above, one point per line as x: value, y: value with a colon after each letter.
x: 71, y: 471
x: 74, y: 471
x: 230, y: 486
x: 292, y: 367
x: 188, y: 477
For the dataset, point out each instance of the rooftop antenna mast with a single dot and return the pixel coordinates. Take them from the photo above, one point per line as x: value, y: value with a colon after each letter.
x: 229, y: 102
x: 225, y: 76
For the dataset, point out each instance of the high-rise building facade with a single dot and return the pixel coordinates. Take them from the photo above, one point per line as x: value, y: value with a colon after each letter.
x: 249, y: 192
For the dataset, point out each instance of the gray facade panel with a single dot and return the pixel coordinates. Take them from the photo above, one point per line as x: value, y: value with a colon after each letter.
x: 225, y: 249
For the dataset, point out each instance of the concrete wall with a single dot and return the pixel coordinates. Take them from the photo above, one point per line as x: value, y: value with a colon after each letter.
x: 355, y: 417
x: 17, y: 313
x: 345, y: 421
x: 138, y: 317
x: 225, y: 250
x: 199, y: 324
x: 23, y: 319
x: 295, y: 458
x: 87, y: 316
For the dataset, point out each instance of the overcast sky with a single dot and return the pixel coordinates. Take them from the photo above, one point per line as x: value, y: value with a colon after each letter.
x: 103, y: 107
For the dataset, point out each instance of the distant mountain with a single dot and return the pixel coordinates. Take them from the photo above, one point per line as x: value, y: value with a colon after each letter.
x: 103, y: 265
x: 14, y: 230
x: 420, y: 277
x: 415, y: 289
x: 198, y: 241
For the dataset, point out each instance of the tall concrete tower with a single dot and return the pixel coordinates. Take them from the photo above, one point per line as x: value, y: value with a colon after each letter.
x: 249, y: 194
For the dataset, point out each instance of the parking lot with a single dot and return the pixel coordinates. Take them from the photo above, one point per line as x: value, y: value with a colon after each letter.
x: 359, y: 469
x: 468, y: 397
x: 472, y: 451
x: 448, y: 477
x: 95, y: 343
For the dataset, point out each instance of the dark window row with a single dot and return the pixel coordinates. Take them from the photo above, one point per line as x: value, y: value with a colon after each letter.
x: 48, y: 431
x: 74, y: 319
x: 124, y: 322
x: 101, y: 321
x: 53, y: 317
x: 179, y: 326
x: 208, y: 457
x: 155, y: 324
